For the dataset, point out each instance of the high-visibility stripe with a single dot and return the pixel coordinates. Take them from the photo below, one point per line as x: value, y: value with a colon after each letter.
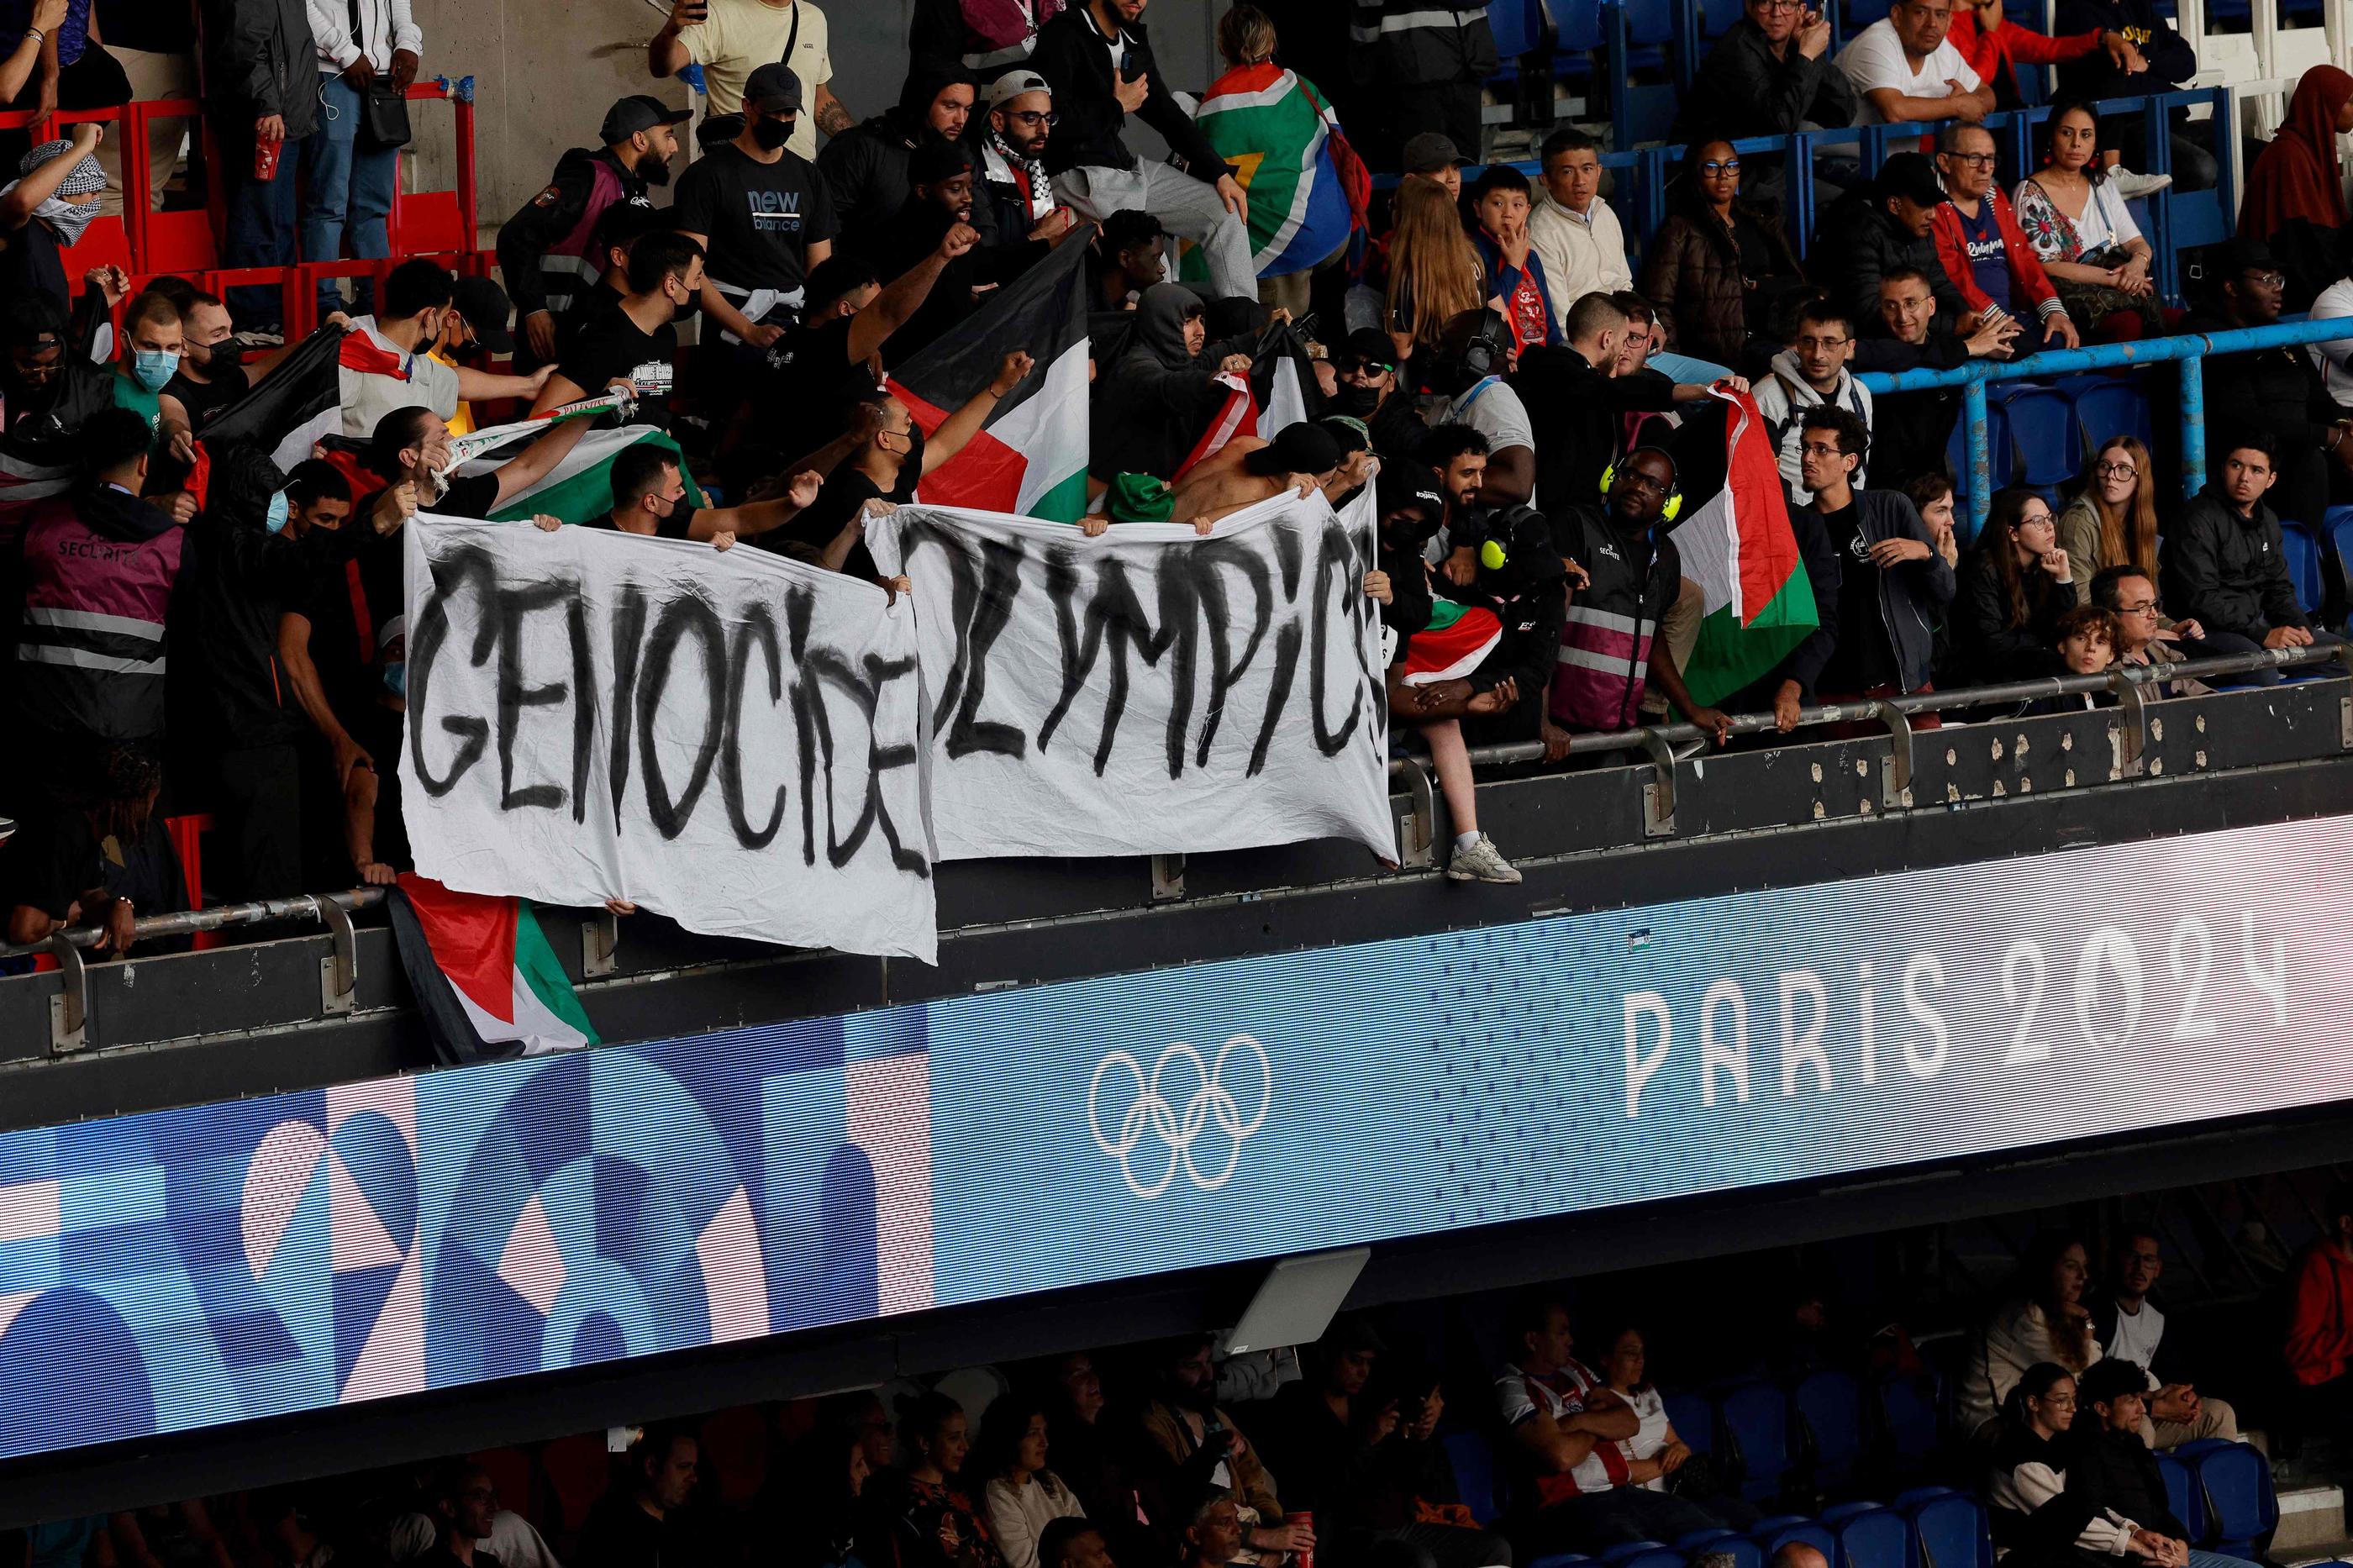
x: 93, y: 621
x: 82, y: 658
x: 1408, y: 21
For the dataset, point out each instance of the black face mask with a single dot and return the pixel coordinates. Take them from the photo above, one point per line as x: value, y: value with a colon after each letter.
x: 1357, y: 402
x: 770, y: 134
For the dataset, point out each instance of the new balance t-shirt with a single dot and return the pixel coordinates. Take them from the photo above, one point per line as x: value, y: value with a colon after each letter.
x: 761, y: 217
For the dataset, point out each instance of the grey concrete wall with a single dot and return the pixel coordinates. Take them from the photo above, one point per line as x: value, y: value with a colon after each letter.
x: 545, y: 71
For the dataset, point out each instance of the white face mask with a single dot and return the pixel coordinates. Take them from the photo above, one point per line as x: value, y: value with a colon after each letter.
x: 69, y: 219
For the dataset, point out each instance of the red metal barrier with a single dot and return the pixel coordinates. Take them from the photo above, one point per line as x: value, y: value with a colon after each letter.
x: 438, y: 220
x: 107, y: 241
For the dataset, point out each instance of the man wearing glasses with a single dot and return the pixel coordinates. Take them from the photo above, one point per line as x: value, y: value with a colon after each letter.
x: 1013, y: 158
x: 1770, y: 75
x: 1811, y: 373
x: 1980, y: 245
x: 2147, y: 635
x: 1905, y: 68
x: 2274, y: 390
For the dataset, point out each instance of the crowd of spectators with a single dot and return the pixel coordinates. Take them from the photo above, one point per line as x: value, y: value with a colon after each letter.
x: 1530, y: 409
x: 1348, y: 1451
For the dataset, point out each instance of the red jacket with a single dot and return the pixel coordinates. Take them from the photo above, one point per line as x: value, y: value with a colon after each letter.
x: 2320, y: 1321
x: 1992, y: 55
x: 2028, y: 282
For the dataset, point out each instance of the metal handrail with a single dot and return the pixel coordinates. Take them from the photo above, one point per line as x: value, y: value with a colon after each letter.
x: 221, y: 917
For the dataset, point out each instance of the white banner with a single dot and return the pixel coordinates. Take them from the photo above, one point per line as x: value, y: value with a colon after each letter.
x: 730, y: 739
x: 1150, y: 690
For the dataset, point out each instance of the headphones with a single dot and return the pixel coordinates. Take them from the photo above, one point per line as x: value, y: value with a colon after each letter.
x: 1674, y: 509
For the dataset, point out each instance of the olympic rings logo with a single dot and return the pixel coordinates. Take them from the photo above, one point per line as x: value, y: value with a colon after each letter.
x: 1152, y: 1111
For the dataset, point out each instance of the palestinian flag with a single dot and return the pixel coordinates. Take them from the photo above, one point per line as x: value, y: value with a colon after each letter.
x: 1307, y: 188
x: 1738, y: 548
x: 1457, y: 639
x: 1280, y: 393
x: 1031, y: 459
x: 291, y: 408
x: 580, y: 488
x: 485, y: 978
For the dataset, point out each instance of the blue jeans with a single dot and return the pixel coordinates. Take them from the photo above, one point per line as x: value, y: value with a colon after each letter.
x: 260, y: 223
x: 348, y: 191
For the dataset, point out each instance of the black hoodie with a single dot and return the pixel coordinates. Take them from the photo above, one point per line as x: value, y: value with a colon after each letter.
x: 865, y: 167
x: 1153, y: 400
x: 237, y: 579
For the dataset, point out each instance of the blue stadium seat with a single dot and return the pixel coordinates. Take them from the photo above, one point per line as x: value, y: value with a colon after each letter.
x: 1778, y: 1521
x: 1949, y: 1531
x: 1873, y: 1538
x: 1838, y: 1513
x: 2303, y: 565
x: 1716, y: 17
x: 2336, y: 523
x: 1518, y: 25
x: 2105, y: 407
x: 1754, y: 1417
x: 1655, y: 1557
x: 1905, y: 1501
x: 1814, y: 1535
x: 1625, y: 1551
x: 1743, y: 1552
x: 1700, y: 1538
x: 1475, y: 1474
x: 1998, y: 449
x: 1909, y: 1417
x: 2181, y: 1496
x: 1829, y: 1404
x: 1561, y: 1560
x: 2042, y: 426
x: 1694, y: 1418
x: 2235, y: 1481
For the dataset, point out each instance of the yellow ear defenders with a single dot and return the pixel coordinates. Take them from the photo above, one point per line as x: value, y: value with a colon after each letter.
x: 1492, y: 557
x: 1669, y: 512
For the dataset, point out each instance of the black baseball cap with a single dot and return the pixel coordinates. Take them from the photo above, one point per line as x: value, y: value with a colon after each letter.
x: 486, y: 308
x: 1428, y: 152
x: 1398, y: 490
x: 1910, y: 176
x: 1372, y: 345
x: 638, y: 111
x: 775, y: 86
x: 2233, y: 257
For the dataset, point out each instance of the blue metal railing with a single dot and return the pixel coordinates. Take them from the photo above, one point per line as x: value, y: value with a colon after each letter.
x: 2189, y: 352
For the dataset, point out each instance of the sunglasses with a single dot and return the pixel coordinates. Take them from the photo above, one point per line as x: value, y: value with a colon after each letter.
x: 1362, y: 366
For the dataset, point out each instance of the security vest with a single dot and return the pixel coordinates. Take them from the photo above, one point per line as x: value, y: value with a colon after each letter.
x: 89, y: 653
x: 571, y: 264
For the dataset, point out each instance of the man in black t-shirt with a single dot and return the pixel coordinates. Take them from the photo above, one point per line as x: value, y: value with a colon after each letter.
x: 762, y: 215
x: 210, y: 377
x: 412, y: 445
x: 665, y: 270
x: 649, y: 498
x: 617, y: 235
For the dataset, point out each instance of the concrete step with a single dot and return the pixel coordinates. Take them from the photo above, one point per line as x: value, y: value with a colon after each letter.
x: 2313, y: 1556
x: 2311, y: 1516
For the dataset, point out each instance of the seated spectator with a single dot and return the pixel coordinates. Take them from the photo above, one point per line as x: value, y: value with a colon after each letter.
x: 2110, y: 1466
x: 2013, y: 588
x: 46, y: 209
x: 1910, y: 428
x: 1892, y: 588
x: 2074, y: 216
x: 2224, y: 565
x: 1565, y: 1427
x: 1094, y: 173
x: 1435, y: 274
x: 1085, y: 1460
x: 2131, y: 1328
x: 1464, y: 373
x: 1572, y: 230
x: 1073, y: 1543
x: 2112, y: 525
x: 1811, y: 373
x: 1300, y: 460
x: 650, y: 500
x: 1187, y: 1443
x: 1515, y: 280
x: 1022, y: 1495
x: 96, y: 856
x: 1657, y: 1451
x: 2274, y: 389
x: 2129, y: 594
x: 2296, y: 175
x: 2084, y: 641
x: 1153, y: 404
x: 664, y: 274
x: 639, y: 1522
x: 1520, y: 578
x: 2035, y: 1519
x: 464, y: 1502
x: 2043, y: 1320
x: 1883, y: 228
x: 1771, y: 74
x: 1981, y: 247
x: 823, y: 1518
x: 866, y: 167
x: 1721, y: 266
x: 1903, y: 68
x: 1435, y: 158
x: 1018, y: 194
x: 982, y: 37
x: 387, y: 360
x: 1933, y: 496
x: 1993, y: 46
x: 2167, y: 62
x: 1210, y: 1531
x: 1574, y: 394
x: 2318, y: 1347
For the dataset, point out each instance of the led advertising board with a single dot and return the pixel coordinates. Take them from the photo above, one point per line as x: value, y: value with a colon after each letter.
x: 176, y: 1270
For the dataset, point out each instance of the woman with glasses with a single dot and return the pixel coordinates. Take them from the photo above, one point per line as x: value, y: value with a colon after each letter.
x: 2075, y: 218
x: 1720, y: 265
x: 2112, y: 522
x: 2014, y: 587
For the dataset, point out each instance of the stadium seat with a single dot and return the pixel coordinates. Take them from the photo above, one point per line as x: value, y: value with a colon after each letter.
x: 1779, y: 1521
x: 1905, y: 1501
x: 2303, y: 565
x: 1475, y: 1474
x: 1754, y: 1420
x: 2042, y: 427
x: 1699, y: 1538
x: 1872, y: 1538
x: 1626, y: 1551
x: 1838, y: 1513
x: 2105, y: 407
x: 1998, y: 449
x: 1518, y: 26
x: 1829, y: 1408
x: 1817, y: 1536
x: 1909, y: 1417
x: 2235, y: 1481
x: 1561, y: 1560
x: 2182, y: 1494
x: 1693, y: 1419
x: 736, y: 1450
x: 1949, y: 1531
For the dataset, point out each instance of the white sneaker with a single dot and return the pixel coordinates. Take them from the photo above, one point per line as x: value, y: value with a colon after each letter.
x: 1480, y: 862
x: 2132, y: 187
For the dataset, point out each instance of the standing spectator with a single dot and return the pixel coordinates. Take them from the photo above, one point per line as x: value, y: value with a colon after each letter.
x: 1466, y: 375
x: 1980, y: 245
x: 733, y: 40
x: 762, y: 217
x: 665, y: 274
x: 154, y: 42
x: 1150, y: 410
x: 1434, y: 271
x: 1770, y: 75
x: 1429, y: 63
x: 1101, y: 66
x: 1574, y: 394
x: 1722, y: 266
x: 650, y: 501
x: 616, y: 234
x: 2013, y: 588
x: 387, y: 362
x: 46, y: 209
x: 1892, y: 587
x: 1189, y: 1442
x: 2110, y: 1466
x: 99, y: 856
x: 548, y: 251
x: 261, y: 93
x: 1572, y: 230
x: 2273, y: 390
x: 2167, y: 62
x: 1883, y: 228
x: 2296, y: 175
x: 2225, y: 565
x: 2074, y: 214
x: 1514, y: 273
x: 210, y: 377
x: 987, y: 38
x: 2131, y: 1329
x: 2318, y: 1347
x: 1932, y: 496
x: 1994, y: 47
x: 1903, y: 68
x: 1812, y: 373
x: 2042, y: 1318
x: 1129, y: 257
x: 74, y: 70
x: 866, y: 167
x: 1366, y: 370
x: 1022, y: 1495
x: 1018, y: 193
x: 21, y: 62
x: 936, y: 1525
x: 636, y: 1523
x: 365, y: 47
x: 939, y: 207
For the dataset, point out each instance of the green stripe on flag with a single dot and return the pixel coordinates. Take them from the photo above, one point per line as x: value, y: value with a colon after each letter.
x: 1729, y: 656
x: 536, y: 966
x: 581, y: 488
x: 1066, y: 502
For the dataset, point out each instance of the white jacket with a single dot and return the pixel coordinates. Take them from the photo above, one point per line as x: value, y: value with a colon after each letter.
x: 1784, y: 397
x: 1580, y: 257
x: 384, y: 25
